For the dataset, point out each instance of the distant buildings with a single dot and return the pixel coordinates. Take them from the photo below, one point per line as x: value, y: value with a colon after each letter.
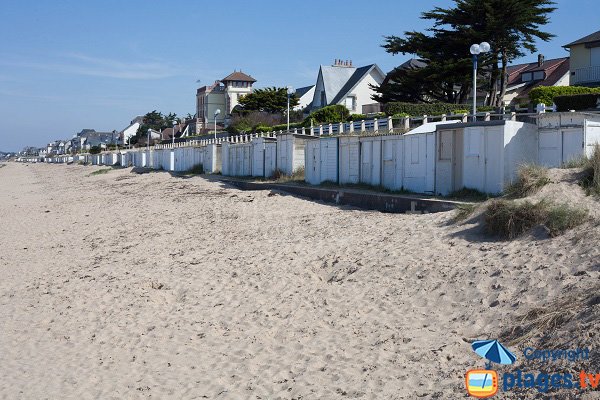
x: 305, y: 96
x: 222, y: 95
x: 585, y: 60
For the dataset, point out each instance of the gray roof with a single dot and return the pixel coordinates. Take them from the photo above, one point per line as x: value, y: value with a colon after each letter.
x: 594, y: 37
x: 334, y: 79
x: 303, y: 90
x: 354, y: 79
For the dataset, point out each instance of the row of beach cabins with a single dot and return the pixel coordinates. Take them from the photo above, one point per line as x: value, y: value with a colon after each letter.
x: 422, y: 155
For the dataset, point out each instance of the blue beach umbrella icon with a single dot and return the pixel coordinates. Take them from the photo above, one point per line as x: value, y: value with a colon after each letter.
x: 494, y: 351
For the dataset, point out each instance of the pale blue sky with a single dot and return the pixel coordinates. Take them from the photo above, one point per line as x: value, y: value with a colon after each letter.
x: 67, y: 65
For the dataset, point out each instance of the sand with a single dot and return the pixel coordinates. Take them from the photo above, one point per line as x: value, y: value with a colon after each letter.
x: 126, y: 286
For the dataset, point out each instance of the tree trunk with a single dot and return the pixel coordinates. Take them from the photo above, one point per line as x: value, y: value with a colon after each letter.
x: 493, y: 90
x: 503, y: 83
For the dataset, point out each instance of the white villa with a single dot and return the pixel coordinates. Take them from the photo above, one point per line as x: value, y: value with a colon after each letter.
x: 341, y: 83
x: 222, y: 95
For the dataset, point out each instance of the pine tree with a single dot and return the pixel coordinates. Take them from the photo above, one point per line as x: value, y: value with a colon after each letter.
x: 510, y: 26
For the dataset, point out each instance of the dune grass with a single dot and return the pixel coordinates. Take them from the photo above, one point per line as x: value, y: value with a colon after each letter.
x: 280, y: 177
x: 100, y: 171
x: 530, y: 179
x: 464, y: 211
x: 590, y: 180
x: 509, y: 219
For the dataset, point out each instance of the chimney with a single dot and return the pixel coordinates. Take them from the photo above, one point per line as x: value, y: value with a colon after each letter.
x: 540, y: 59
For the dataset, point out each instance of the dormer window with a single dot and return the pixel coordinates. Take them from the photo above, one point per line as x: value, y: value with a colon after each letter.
x: 533, y: 76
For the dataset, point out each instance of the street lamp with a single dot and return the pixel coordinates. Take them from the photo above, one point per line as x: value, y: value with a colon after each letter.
x: 475, y: 50
x: 290, y: 91
x: 148, y: 141
x: 217, y: 112
x: 174, y: 125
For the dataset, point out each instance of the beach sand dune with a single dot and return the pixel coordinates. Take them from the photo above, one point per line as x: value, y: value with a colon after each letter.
x: 123, y: 285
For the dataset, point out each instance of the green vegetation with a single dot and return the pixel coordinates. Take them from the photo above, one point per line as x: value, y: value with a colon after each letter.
x: 579, y: 162
x: 405, y: 109
x: 577, y: 102
x: 326, y: 115
x: 464, y: 211
x: 95, y: 150
x: 154, y: 120
x: 510, y: 219
x: 468, y: 194
x: 271, y: 100
x: 546, y: 94
x: 100, y: 171
x: 512, y: 28
x: 591, y: 173
x: 279, y: 177
x: 195, y: 170
x: 530, y: 179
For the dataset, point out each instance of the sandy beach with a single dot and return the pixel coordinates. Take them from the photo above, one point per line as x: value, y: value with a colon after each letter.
x: 127, y: 286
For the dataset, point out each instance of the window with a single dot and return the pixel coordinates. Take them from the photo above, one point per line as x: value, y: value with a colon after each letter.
x: 445, y: 145
x: 350, y: 104
x: 526, y: 77
x: 538, y: 75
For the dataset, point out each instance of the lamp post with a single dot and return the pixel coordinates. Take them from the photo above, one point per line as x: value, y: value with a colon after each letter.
x: 217, y: 112
x: 475, y: 50
x: 174, y: 125
x: 290, y: 91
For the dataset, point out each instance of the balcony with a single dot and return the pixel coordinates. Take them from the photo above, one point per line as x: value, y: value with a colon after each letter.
x: 589, y: 75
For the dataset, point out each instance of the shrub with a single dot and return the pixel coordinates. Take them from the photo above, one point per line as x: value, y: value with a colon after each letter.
x: 283, y: 127
x: 591, y: 172
x: 326, y: 115
x: 563, y: 217
x: 357, y: 117
x: 400, y: 115
x: 422, y: 109
x: 509, y: 220
x: 464, y: 211
x: 577, y: 102
x: 196, y: 170
x: 95, y: 150
x: 530, y: 179
x: 546, y: 94
x: 460, y: 112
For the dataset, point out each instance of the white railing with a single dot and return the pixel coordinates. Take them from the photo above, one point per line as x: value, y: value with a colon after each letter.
x: 587, y: 75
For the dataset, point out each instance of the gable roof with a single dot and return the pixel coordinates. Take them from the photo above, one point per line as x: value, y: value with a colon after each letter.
x: 594, y: 37
x: 303, y: 90
x: 334, y: 79
x: 554, y: 69
x: 358, y: 75
x: 238, y: 76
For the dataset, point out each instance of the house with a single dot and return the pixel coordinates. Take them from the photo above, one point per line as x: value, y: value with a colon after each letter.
x: 305, y: 96
x: 342, y: 83
x: 585, y: 60
x: 126, y: 134
x: 222, y: 95
x: 524, y: 77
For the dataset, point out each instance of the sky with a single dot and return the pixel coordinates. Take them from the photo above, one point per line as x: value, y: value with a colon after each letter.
x: 68, y: 65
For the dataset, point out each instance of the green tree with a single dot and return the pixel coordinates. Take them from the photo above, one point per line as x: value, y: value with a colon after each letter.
x: 155, y: 120
x: 510, y: 26
x: 272, y: 100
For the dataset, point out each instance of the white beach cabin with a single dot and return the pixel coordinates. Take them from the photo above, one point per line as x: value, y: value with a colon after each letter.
x: 419, y: 158
x: 565, y: 136
x: 290, y: 151
x: 212, y: 158
x: 482, y: 155
x: 349, y: 159
x: 321, y: 160
x: 264, y: 156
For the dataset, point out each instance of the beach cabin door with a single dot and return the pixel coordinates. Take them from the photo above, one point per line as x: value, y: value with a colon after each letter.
x: 572, y: 144
x: 483, y: 158
x: 349, y: 160
x: 450, y: 155
x: 328, y: 160
x: 392, y: 152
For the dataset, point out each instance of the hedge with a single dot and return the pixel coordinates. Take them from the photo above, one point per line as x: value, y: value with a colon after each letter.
x: 546, y: 94
x: 577, y: 102
x: 429, y: 109
x: 326, y: 115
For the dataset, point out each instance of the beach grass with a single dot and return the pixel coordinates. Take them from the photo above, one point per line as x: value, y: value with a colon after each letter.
x: 100, y: 171
x: 530, y: 179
